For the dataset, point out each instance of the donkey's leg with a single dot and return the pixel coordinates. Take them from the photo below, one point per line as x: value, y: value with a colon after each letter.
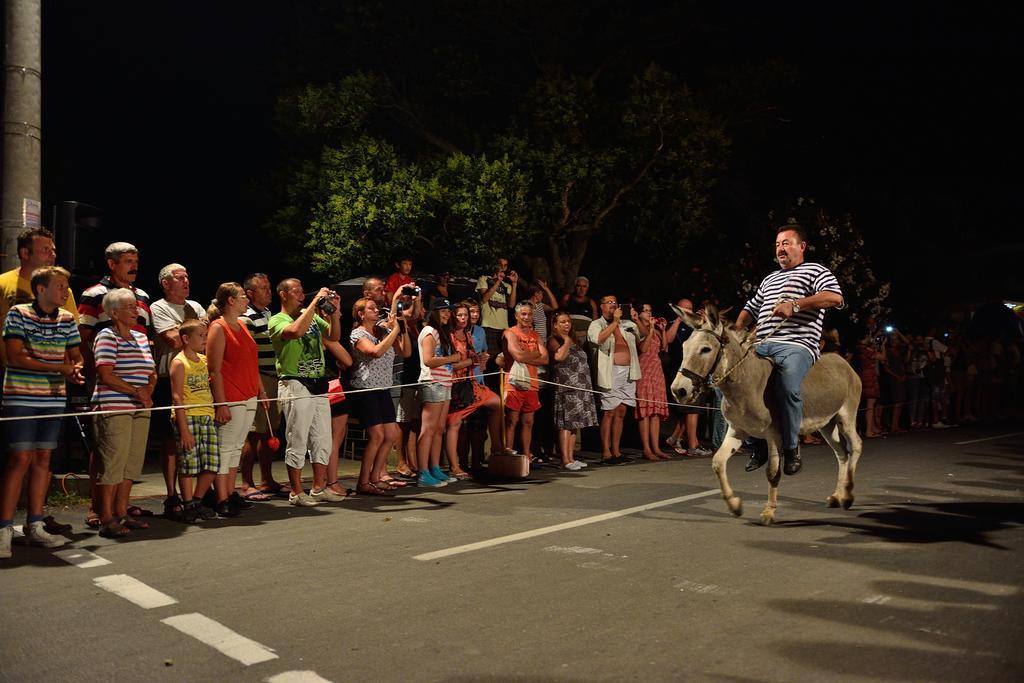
x: 774, y: 474
x: 729, y: 446
x: 847, y: 419
x: 831, y: 436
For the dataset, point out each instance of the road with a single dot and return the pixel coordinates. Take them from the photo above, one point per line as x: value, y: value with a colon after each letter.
x: 633, y: 572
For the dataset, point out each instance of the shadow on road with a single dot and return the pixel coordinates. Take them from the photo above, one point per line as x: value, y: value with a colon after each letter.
x: 967, y: 522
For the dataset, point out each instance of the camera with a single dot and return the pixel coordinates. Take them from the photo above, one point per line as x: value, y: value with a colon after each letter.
x: 325, y: 306
x: 889, y: 329
x: 411, y: 291
x: 400, y: 307
x: 627, y: 311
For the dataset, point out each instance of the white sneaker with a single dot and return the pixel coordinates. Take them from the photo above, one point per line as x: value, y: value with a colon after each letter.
x: 581, y: 463
x: 6, y: 534
x: 36, y: 534
x: 326, y: 495
x: 699, y: 452
x: 671, y: 441
x: 573, y: 466
x: 302, y: 500
x: 940, y: 425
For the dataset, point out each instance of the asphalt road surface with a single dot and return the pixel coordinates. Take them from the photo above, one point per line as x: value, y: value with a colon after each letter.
x: 633, y: 572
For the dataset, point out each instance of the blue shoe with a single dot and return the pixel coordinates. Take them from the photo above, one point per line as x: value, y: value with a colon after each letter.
x: 436, y: 473
x: 425, y: 479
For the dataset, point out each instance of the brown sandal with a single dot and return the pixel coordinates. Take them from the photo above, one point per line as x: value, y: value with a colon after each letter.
x: 114, y: 529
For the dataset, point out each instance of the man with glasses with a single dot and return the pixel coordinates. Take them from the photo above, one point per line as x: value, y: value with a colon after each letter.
x: 618, y: 371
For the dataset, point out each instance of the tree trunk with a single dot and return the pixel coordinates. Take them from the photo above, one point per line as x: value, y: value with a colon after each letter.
x: 566, y: 256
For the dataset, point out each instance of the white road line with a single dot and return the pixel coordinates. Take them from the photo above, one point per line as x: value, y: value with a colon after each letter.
x: 987, y: 438
x: 533, y: 533
x: 297, y: 677
x: 221, y: 638
x: 134, y: 591
x: 81, y: 558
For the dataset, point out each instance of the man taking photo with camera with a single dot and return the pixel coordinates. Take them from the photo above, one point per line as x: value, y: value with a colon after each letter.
x: 297, y: 335
x: 497, y: 294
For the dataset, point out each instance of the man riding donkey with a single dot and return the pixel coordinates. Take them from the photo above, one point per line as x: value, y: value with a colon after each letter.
x: 761, y: 374
x: 797, y: 296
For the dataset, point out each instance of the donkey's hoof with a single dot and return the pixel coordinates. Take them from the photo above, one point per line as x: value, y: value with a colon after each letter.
x: 847, y: 503
x: 832, y: 502
x: 768, y: 517
x: 735, y: 505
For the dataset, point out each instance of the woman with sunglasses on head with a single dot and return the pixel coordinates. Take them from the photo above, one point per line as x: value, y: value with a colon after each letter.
x: 372, y: 361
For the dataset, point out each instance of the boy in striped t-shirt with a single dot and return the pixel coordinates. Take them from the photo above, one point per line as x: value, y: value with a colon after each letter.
x: 790, y: 306
x: 42, y: 344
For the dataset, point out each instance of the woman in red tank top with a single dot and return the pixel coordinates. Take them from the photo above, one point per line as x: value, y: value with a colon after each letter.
x: 232, y: 357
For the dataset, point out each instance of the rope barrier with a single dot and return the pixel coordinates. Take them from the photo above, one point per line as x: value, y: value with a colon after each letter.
x: 351, y: 392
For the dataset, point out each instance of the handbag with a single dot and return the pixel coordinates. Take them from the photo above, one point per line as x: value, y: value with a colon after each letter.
x: 462, y: 393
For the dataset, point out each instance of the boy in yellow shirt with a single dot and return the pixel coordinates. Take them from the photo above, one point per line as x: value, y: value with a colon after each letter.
x: 194, y: 429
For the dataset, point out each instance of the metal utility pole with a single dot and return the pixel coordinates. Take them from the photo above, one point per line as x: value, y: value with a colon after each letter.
x: 23, y: 133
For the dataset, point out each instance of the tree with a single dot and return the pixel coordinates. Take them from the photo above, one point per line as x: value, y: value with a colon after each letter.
x: 640, y: 163
x: 517, y: 146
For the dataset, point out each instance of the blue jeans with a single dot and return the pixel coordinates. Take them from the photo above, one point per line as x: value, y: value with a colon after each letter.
x: 791, y: 365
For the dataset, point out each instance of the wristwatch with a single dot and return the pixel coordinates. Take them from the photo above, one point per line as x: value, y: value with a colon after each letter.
x: 796, y: 307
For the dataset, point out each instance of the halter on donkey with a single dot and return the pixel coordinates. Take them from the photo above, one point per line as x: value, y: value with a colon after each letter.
x: 830, y: 394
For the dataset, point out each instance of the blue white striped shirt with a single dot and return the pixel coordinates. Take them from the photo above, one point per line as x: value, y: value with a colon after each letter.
x: 804, y: 328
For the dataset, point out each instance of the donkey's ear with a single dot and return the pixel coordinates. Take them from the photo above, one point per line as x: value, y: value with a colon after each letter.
x: 722, y: 316
x: 689, y: 319
x: 711, y: 313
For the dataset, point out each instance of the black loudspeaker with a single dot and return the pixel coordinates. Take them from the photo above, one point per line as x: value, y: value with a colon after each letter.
x: 77, y: 229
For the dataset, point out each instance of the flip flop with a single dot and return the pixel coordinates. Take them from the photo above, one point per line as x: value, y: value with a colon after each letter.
x: 259, y: 496
x: 277, y: 489
x: 136, y: 511
x: 92, y: 520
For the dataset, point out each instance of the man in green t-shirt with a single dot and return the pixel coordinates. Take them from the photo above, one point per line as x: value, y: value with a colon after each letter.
x: 297, y: 335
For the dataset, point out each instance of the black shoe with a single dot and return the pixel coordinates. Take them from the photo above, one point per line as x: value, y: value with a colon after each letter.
x: 210, y: 497
x: 757, y: 460
x: 239, y: 503
x: 791, y: 463
x: 625, y: 459
x: 192, y: 513
x: 225, y: 509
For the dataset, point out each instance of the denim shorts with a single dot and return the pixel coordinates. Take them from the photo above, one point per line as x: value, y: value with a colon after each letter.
x: 39, y: 434
x: 434, y: 392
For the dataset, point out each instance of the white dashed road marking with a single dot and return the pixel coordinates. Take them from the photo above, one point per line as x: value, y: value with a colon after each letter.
x: 523, y: 535
x: 297, y: 677
x: 988, y: 438
x: 221, y: 638
x: 134, y: 591
x: 81, y: 558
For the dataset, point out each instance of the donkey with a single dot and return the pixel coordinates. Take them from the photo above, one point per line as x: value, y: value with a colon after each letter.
x: 830, y: 393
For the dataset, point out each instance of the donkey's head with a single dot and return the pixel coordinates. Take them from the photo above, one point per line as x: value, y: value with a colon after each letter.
x: 704, y: 352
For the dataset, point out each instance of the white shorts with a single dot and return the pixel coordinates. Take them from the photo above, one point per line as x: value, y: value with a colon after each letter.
x: 623, y: 391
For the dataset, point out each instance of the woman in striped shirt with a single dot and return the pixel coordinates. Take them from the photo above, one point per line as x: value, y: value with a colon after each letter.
x: 125, y: 377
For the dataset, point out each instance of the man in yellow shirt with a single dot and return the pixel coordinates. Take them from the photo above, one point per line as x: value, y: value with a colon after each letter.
x: 35, y: 250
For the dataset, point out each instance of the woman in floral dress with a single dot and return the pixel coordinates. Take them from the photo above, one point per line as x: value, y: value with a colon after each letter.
x: 650, y: 390
x: 574, y: 403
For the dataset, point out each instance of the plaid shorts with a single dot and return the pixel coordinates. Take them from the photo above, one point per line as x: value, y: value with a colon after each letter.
x: 206, y: 454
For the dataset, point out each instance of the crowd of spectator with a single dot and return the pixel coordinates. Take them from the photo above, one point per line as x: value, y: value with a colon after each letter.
x: 448, y: 384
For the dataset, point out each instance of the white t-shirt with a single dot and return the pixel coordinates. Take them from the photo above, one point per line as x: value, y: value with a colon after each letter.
x: 168, y: 316
x: 442, y: 373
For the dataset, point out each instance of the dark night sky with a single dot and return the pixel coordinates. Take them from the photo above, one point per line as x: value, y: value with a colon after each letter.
x: 161, y: 115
